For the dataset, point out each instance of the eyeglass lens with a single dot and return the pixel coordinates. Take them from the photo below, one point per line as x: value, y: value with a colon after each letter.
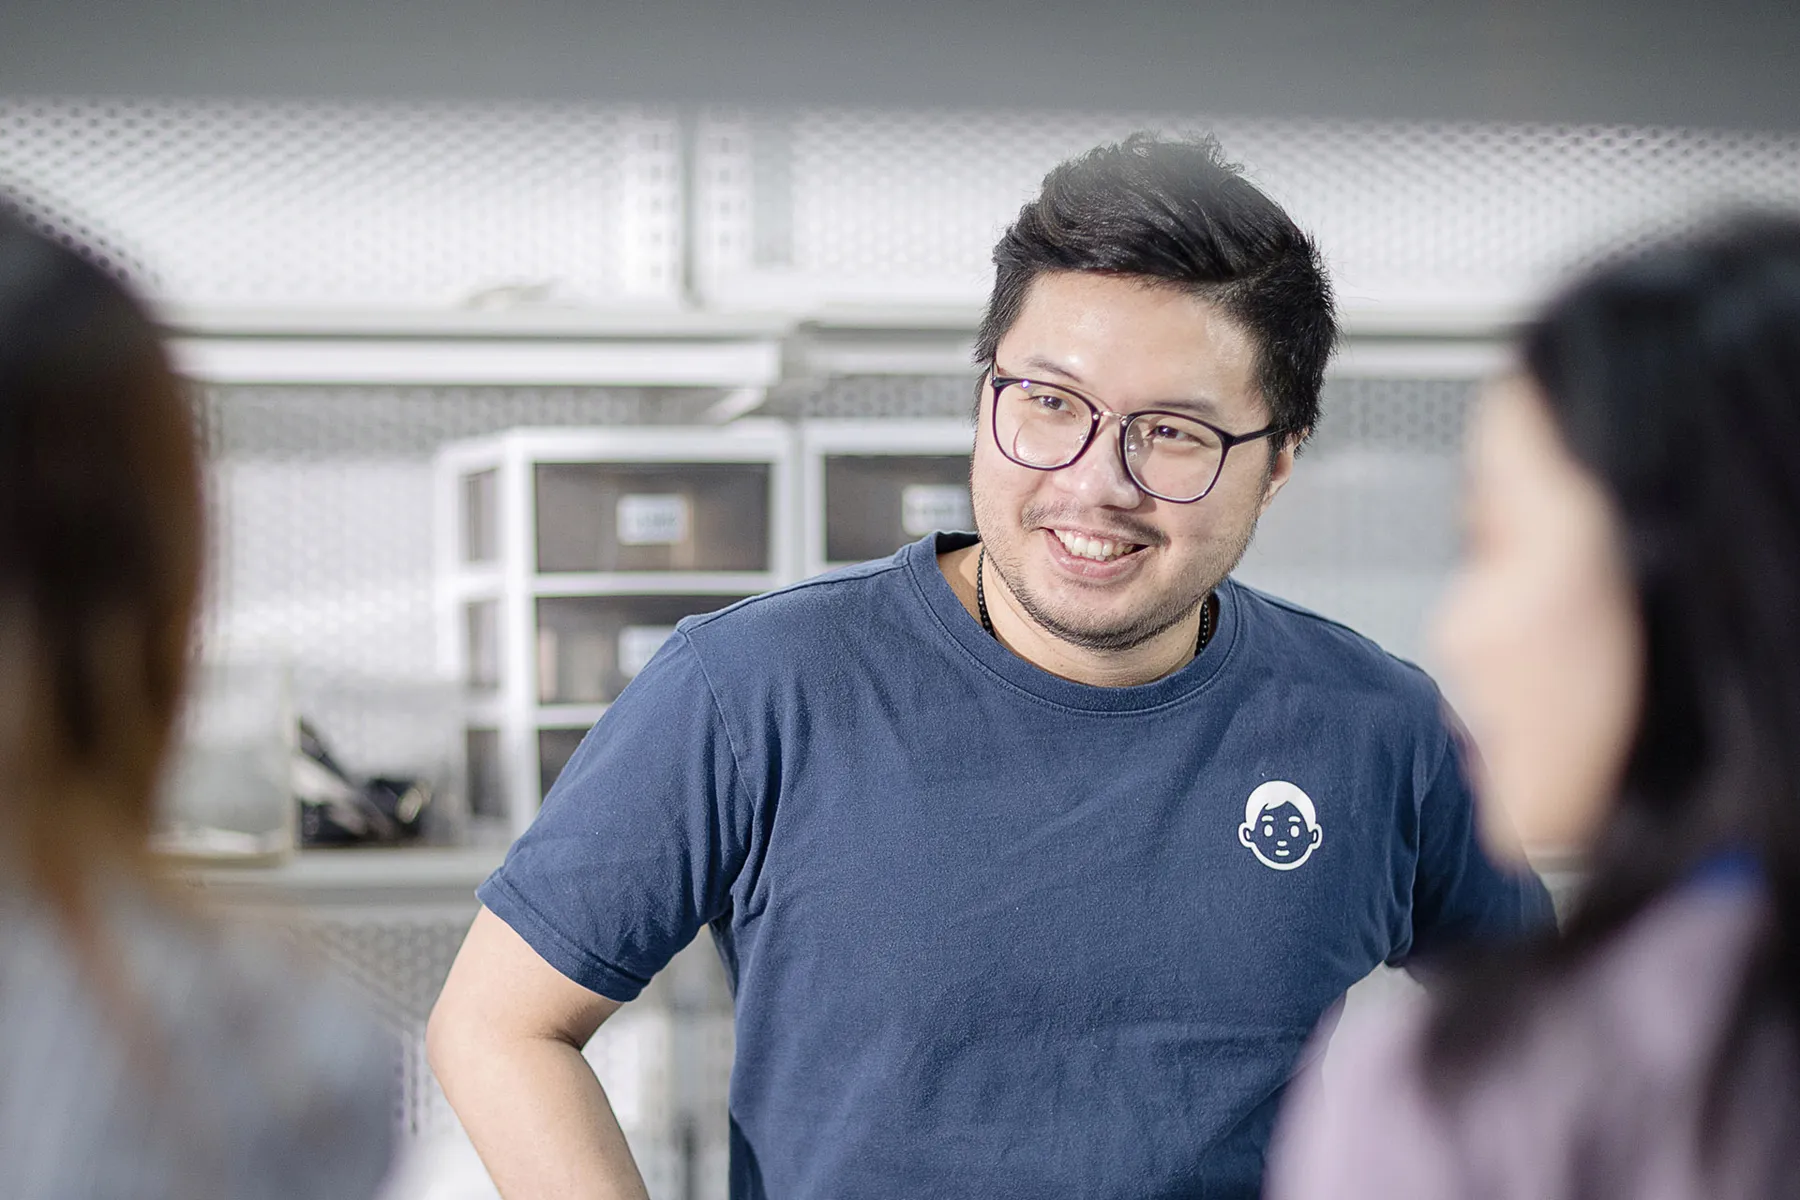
x: 1167, y: 454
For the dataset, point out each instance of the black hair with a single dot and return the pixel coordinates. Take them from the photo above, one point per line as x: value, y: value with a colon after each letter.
x: 1674, y: 379
x: 1176, y: 212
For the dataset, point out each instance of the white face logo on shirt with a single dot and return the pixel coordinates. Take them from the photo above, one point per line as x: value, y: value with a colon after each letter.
x: 1281, y: 826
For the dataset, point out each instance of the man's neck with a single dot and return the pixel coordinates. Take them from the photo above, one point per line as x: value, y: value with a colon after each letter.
x: 1016, y: 629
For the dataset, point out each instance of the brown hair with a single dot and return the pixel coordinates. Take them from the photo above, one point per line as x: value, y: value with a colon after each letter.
x: 100, y: 555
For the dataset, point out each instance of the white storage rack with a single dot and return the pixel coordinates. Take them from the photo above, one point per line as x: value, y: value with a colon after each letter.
x: 924, y: 488
x: 494, y: 585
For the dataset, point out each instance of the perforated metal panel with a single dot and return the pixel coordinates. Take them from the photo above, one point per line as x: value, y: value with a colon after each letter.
x: 233, y: 203
x: 1367, y: 529
x: 1413, y: 416
x: 81, y: 231
x: 883, y: 396
x: 258, y: 203
x: 900, y: 205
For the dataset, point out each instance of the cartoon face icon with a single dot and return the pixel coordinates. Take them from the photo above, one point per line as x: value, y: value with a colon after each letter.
x: 1281, y: 826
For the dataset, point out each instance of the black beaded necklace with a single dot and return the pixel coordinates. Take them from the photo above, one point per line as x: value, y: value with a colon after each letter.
x: 981, y: 608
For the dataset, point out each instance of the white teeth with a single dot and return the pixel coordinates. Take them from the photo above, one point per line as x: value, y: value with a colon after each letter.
x: 1098, y: 549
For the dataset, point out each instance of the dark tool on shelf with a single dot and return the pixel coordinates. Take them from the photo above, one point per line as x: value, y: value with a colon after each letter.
x: 336, y: 810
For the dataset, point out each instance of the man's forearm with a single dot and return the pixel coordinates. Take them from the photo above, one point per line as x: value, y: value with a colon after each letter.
x: 538, y: 1117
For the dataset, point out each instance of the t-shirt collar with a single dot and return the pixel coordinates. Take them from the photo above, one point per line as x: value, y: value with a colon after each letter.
x: 934, y: 591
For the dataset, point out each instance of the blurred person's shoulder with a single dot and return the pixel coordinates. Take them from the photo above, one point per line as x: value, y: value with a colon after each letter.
x: 286, y: 1045
x: 191, y: 1034
x: 1604, y: 1070
x: 1357, y: 1122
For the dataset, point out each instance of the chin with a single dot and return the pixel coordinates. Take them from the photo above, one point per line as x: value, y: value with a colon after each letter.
x: 1114, y: 635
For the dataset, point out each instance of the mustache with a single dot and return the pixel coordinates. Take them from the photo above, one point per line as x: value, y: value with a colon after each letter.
x: 1118, y: 528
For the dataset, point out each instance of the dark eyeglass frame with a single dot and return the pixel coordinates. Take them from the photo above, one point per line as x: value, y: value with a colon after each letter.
x: 999, y: 383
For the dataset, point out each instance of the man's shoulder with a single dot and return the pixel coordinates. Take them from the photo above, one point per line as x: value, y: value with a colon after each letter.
x: 821, y: 607
x: 1310, y: 644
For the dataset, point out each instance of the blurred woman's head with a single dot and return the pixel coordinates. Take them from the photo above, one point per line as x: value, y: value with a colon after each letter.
x: 1542, y: 631
x: 100, y: 549
x: 1625, y: 636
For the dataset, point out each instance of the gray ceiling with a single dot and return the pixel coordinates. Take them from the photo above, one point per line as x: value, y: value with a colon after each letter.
x: 1731, y: 63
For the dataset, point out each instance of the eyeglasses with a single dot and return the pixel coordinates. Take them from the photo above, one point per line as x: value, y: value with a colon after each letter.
x: 1169, y: 455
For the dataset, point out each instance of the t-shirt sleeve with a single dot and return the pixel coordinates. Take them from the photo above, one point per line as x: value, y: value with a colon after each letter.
x: 640, y: 840
x: 1459, y: 893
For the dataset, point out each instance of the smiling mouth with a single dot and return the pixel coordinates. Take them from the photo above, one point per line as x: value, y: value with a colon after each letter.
x: 1095, y: 549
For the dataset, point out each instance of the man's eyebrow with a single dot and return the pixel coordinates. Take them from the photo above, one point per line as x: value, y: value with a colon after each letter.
x: 1038, y: 364
x: 1199, y: 406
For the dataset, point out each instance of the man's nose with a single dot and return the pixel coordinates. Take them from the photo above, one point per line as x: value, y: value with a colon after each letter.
x: 1098, y: 477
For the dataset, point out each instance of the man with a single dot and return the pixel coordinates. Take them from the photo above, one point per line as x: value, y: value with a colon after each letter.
x: 967, y: 824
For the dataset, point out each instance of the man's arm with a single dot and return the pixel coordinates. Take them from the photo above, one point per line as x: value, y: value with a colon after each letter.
x: 505, y: 1040
x: 636, y: 849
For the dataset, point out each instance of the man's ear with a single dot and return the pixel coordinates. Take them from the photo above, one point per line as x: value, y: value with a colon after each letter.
x: 1281, y: 468
x: 1317, y: 833
x: 1244, y: 834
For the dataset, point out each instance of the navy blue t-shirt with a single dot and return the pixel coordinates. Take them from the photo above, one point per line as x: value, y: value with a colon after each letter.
x: 991, y: 932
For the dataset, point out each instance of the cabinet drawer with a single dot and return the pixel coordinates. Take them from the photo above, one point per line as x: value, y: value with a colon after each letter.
x: 876, y: 503
x: 652, y: 517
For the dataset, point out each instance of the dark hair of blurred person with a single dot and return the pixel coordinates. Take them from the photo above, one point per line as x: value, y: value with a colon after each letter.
x: 142, y: 1051
x: 100, y: 544
x: 1627, y: 631
x: 1177, y: 212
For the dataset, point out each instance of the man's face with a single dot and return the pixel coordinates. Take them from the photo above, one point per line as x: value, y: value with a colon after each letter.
x: 1128, y: 345
x: 1280, y: 835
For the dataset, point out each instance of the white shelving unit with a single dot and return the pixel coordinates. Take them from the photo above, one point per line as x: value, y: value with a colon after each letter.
x: 565, y: 558
x: 869, y: 487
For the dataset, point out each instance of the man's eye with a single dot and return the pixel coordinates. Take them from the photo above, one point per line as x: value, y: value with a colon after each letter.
x: 1268, y: 829
x: 1050, y: 402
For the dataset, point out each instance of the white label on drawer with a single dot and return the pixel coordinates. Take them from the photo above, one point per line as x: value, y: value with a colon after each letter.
x: 636, y: 645
x: 928, y: 507
x: 648, y: 520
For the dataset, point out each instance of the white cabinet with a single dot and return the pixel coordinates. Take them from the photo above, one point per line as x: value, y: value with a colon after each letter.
x: 870, y: 487
x: 566, y: 557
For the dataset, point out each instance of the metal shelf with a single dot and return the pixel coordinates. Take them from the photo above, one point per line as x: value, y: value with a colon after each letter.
x: 423, y: 875
x: 654, y: 583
